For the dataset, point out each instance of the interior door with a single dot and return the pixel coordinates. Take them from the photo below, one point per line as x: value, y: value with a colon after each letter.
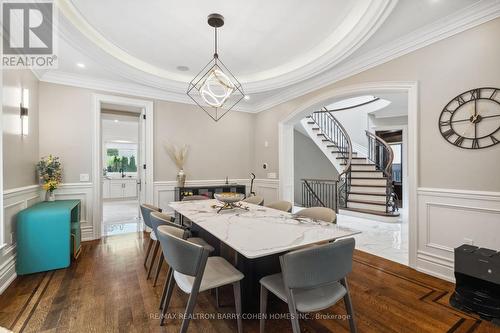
x: 141, y: 165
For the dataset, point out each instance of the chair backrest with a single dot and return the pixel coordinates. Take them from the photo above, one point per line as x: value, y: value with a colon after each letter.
x: 317, y: 265
x: 146, y: 211
x: 319, y: 213
x: 158, y: 219
x: 194, y: 197
x: 182, y: 256
x: 254, y: 199
x: 284, y: 206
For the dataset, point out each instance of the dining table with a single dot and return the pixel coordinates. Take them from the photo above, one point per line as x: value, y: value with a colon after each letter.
x: 253, y: 238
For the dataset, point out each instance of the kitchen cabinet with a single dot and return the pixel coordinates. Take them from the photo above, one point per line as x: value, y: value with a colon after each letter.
x: 119, y: 188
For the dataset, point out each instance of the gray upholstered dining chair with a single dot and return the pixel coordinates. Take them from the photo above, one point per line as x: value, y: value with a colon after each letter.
x: 158, y: 219
x: 146, y: 211
x: 311, y: 279
x: 319, y: 213
x: 284, y: 206
x: 194, y: 271
x: 254, y: 199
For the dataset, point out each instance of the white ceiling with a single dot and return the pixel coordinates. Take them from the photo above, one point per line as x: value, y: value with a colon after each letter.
x: 279, y: 49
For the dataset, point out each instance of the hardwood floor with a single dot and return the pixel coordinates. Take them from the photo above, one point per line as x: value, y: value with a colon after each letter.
x: 106, y: 291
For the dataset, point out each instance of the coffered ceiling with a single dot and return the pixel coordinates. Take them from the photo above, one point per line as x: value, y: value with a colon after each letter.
x: 278, y: 49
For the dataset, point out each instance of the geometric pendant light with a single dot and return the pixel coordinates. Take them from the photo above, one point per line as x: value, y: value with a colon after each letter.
x: 215, y: 89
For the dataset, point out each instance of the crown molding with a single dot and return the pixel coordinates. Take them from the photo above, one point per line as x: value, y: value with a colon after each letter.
x: 120, y: 87
x: 466, y: 18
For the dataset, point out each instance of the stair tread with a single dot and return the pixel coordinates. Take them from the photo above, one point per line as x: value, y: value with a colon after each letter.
x: 377, y: 178
x: 368, y: 193
x: 366, y: 171
x: 367, y: 185
x: 367, y: 202
x: 372, y: 212
x: 311, y: 122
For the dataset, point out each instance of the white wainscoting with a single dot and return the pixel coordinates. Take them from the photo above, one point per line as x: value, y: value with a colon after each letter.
x: 15, y: 200
x: 84, y: 193
x: 164, y: 191
x: 449, y: 218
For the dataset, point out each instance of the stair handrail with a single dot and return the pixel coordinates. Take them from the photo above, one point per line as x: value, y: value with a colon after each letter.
x: 333, y: 130
x: 311, y: 191
x: 384, y: 165
x: 347, y: 152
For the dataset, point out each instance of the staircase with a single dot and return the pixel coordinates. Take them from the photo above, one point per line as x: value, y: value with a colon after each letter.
x: 364, y: 186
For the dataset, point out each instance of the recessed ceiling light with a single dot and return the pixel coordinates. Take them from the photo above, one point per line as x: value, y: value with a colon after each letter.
x: 116, y: 120
x: 80, y: 64
x: 247, y: 97
x: 183, y: 68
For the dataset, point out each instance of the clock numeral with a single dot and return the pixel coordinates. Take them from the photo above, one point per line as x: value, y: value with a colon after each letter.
x: 450, y: 111
x: 475, y: 94
x: 445, y: 122
x: 475, y: 144
x: 493, y: 93
x: 459, y: 140
x: 448, y: 133
x: 460, y: 100
x: 495, y: 140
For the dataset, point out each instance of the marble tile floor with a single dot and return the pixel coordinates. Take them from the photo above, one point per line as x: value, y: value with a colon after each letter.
x: 388, y: 240
x: 120, y: 217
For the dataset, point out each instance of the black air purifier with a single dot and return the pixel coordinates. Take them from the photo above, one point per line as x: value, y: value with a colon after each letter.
x: 477, y: 274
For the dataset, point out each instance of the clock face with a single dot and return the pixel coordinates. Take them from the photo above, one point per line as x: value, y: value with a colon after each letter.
x: 472, y: 119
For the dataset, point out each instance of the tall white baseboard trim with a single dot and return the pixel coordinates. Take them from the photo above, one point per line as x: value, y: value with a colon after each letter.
x: 448, y: 218
x: 15, y: 200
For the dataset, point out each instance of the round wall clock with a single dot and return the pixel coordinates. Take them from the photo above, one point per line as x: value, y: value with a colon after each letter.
x: 472, y: 119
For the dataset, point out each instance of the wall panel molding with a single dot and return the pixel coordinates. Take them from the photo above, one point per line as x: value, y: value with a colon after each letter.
x: 15, y: 200
x: 449, y: 218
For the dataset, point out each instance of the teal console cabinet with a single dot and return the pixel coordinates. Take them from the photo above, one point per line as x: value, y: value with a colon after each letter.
x: 48, y: 236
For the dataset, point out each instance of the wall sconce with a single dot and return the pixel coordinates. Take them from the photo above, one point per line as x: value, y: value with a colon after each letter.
x: 25, y: 103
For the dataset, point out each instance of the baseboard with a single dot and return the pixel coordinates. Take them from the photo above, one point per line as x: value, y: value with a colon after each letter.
x: 7, y: 273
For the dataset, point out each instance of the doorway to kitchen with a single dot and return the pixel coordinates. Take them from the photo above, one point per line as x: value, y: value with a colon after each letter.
x: 121, y: 180
x: 122, y: 163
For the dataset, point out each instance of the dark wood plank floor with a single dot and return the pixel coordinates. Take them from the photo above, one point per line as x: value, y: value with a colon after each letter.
x: 106, y: 291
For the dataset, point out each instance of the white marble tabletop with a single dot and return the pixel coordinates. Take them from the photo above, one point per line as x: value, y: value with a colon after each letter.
x: 259, y: 231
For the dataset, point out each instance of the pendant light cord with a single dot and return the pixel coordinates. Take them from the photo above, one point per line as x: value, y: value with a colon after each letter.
x: 215, y: 53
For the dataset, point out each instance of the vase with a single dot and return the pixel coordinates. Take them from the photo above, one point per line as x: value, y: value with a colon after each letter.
x: 50, y: 196
x: 181, y: 178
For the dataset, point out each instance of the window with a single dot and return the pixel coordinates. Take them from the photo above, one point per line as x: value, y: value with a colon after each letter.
x: 121, y: 157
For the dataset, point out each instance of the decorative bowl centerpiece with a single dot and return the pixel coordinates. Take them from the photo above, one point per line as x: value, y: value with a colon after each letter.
x: 229, y: 200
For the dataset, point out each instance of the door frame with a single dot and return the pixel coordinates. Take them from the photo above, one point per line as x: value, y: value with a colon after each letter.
x: 285, y: 135
x: 148, y: 107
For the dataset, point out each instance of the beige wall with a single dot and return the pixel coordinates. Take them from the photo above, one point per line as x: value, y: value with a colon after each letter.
x: 66, y: 128
x: 20, y: 153
x: 443, y: 70
x: 217, y: 150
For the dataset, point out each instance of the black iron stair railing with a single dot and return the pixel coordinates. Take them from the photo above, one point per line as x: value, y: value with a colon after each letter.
x: 334, y: 132
x: 319, y: 192
x: 381, y: 154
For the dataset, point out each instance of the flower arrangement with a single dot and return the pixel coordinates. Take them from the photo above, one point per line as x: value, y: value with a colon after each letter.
x: 50, y: 172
